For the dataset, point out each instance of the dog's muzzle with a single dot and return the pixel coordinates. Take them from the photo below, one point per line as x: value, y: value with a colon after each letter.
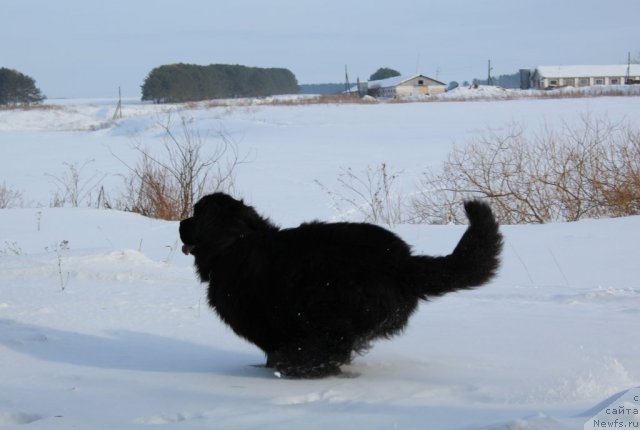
x: 185, y: 230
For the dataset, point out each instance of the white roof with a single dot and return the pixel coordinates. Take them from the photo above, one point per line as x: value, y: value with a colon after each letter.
x: 587, y: 71
x: 396, y: 80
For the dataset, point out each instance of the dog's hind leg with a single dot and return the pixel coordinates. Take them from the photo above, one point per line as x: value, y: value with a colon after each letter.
x: 309, y: 358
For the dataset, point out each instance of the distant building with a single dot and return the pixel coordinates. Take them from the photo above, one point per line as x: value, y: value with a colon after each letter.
x: 548, y: 77
x: 402, y: 87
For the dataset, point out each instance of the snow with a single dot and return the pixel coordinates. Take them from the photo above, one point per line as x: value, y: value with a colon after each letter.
x: 104, y: 325
x: 491, y: 92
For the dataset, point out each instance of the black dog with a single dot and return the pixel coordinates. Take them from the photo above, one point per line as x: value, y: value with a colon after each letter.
x: 311, y: 296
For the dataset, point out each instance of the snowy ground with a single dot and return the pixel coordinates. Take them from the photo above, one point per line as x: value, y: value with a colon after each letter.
x: 103, y: 324
x: 486, y: 92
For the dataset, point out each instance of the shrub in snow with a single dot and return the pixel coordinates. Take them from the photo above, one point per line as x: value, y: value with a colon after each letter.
x: 371, y: 194
x: 166, y: 185
x: 586, y: 171
x: 9, y: 197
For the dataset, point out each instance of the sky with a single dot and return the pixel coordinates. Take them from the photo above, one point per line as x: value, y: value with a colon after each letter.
x: 81, y: 48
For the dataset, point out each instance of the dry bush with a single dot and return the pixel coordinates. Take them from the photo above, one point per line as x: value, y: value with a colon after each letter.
x: 9, y: 197
x: 166, y: 185
x: 75, y: 188
x: 620, y: 187
x: 149, y: 191
x: 371, y: 194
x: 587, y: 171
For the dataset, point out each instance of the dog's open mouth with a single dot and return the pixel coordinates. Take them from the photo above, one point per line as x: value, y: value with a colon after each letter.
x: 188, y: 249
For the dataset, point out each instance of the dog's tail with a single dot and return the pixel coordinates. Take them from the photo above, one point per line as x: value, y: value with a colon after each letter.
x: 474, y: 260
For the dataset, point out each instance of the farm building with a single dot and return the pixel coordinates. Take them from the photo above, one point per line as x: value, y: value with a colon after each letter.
x: 548, y: 77
x: 403, y: 86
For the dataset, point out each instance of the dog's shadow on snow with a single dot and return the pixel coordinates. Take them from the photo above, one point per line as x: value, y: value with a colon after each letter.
x: 126, y: 350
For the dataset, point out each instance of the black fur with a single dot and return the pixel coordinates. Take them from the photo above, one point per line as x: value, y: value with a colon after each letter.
x: 311, y: 296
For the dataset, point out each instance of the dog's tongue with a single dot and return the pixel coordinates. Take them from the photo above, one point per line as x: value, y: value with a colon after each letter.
x: 186, y: 249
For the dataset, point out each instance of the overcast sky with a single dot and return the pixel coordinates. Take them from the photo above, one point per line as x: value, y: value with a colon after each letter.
x: 83, y: 48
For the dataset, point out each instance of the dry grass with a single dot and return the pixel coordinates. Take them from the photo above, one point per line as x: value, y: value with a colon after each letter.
x: 149, y: 191
x: 322, y: 99
x: 31, y: 107
x: 306, y: 100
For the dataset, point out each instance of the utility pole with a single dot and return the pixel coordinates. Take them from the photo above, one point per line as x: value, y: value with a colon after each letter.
x: 347, y: 87
x: 489, y: 79
x: 628, y: 77
x: 118, y: 113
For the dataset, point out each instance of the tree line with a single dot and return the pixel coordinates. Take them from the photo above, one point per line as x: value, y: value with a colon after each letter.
x: 189, y: 82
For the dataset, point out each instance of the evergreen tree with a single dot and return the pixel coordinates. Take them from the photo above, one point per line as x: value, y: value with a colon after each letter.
x: 17, y: 88
x: 384, y: 73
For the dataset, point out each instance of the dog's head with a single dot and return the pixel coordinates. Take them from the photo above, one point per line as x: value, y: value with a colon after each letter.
x: 218, y: 221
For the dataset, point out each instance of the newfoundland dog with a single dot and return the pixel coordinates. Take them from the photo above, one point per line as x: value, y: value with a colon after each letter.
x: 312, y: 296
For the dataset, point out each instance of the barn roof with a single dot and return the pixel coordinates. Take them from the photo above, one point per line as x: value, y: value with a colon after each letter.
x: 587, y: 71
x: 397, y: 80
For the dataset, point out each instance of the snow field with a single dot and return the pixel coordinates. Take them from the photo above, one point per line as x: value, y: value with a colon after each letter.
x: 104, y: 325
